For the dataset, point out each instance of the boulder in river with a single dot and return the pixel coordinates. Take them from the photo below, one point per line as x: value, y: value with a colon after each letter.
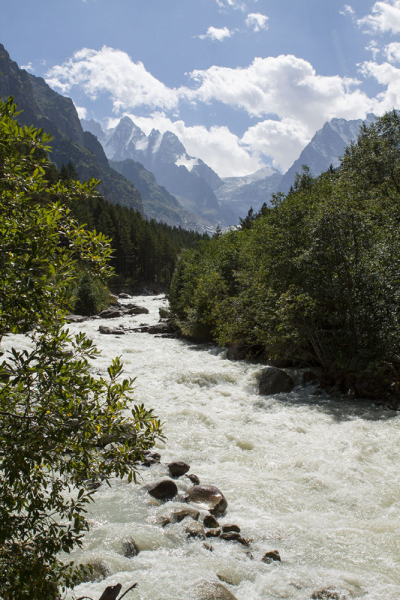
x: 210, y: 522
x: 208, y: 590
x: 124, y: 296
x: 229, y: 536
x: 325, y: 594
x: 271, y: 556
x: 111, y: 330
x: 274, y: 381
x: 130, y: 548
x: 178, y: 468
x: 138, y: 310
x: 159, y: 328
x: 193, y: 478
x: 195, y: 529
x: 207, y: 497
x: 165, y: 489
x: 150, y: 458
x: 110, y: 313
x: 178, y: 515
x: 230, y: 527
x: 99, y: 571
x: 215, y: 532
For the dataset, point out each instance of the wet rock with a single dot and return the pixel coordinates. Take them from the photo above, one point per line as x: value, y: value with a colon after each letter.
x: 229, y: 536
x: 111, y: 330
x: 150, y: 458
x: 271, y: 556
x: 138, y: 310
x: 208, y: 590
x: 110, y: 313
x: 226, y: 579
x: 159, y: 328
x: 165, y: 489
x: 76, y: 319
x: 193, y: 478
x: 178, y: 515
x: 210, y: 522
x: 213, y: 532
x: 243, y: 541
x: 281, y: 363
x: 228, y: 528
x: 237, y: 352
x: 325, y: 594
x: 274, y: 381
x: 178, y: 468
x: 124, y: 296
x: 130, y: 548
x: 99, y: 571
x: 195, y: 529
x: 207, y: 497
x: 208, y: 547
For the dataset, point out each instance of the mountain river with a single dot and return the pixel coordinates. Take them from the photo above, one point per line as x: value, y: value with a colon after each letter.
x: 315, y: 478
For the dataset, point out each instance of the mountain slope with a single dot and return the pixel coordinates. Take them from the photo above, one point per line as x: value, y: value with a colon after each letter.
x: 42, y: 107
x: 325, y: 148
x: 189, y: 179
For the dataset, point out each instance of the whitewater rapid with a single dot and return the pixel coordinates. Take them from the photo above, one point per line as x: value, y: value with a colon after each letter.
x: 314, y: 478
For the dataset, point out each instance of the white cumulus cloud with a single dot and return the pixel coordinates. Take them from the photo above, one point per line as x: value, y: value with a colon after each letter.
x: 286, y: 86
x: 82, y: 111
x: 384, y: 17
x: 389, y: 76
x: 393, y: 52
x: 112, y: 71
x: 28, y: 67
x: 216, y: 35
x: 257, y: 21
x: 347, y: 10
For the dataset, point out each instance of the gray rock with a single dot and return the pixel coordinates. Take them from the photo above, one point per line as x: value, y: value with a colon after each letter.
x: 110, y: 313
x: 100, y: 571
x: 271, y: 556
x: 208, y: 590
x: 178, y: 515
x: 210, y: 522
x: 138, y: 310
x: 229, y: 536
x: 130, y: 548
x: 207, y: 497
x: 274, y: 381
x: 111, y: 330
x: 228, y: 528
x: 159, y: 328
x: 163, y: 489
x: 193, y: 478
x: 195, y: 529
x: 125, y: 296
x: 178, y: 468
x: 325, y: 594
x: 208, y: 547
x: 150, y: 458
x: 213, y: 532
x: 76, y: 319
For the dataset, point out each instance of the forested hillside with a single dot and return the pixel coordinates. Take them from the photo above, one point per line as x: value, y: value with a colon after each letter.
x: 144, y: 252
x: 314, y: 279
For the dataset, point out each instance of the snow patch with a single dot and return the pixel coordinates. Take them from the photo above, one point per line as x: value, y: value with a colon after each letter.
x: 187, y: 161
x: 157, y: 145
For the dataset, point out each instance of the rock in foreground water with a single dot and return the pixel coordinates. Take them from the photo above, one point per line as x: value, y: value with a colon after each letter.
x: 178, y: 468
x: 274, y: 381
x: 213, y: 591
x: 163, y: 490
x: 207, y: 497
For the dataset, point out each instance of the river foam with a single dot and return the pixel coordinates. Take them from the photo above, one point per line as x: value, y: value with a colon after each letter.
x: 316, y: 479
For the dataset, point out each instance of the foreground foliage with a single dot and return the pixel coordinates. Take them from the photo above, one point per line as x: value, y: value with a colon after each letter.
x: 56, y: 419
x: 315, y: 277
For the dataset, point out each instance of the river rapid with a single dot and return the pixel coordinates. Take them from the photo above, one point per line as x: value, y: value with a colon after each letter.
x: 315, y: 478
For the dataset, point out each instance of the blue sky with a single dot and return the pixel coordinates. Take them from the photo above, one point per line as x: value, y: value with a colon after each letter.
x: 243, y: 83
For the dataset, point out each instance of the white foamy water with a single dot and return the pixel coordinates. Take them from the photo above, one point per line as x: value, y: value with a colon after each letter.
x: 316, y: 479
